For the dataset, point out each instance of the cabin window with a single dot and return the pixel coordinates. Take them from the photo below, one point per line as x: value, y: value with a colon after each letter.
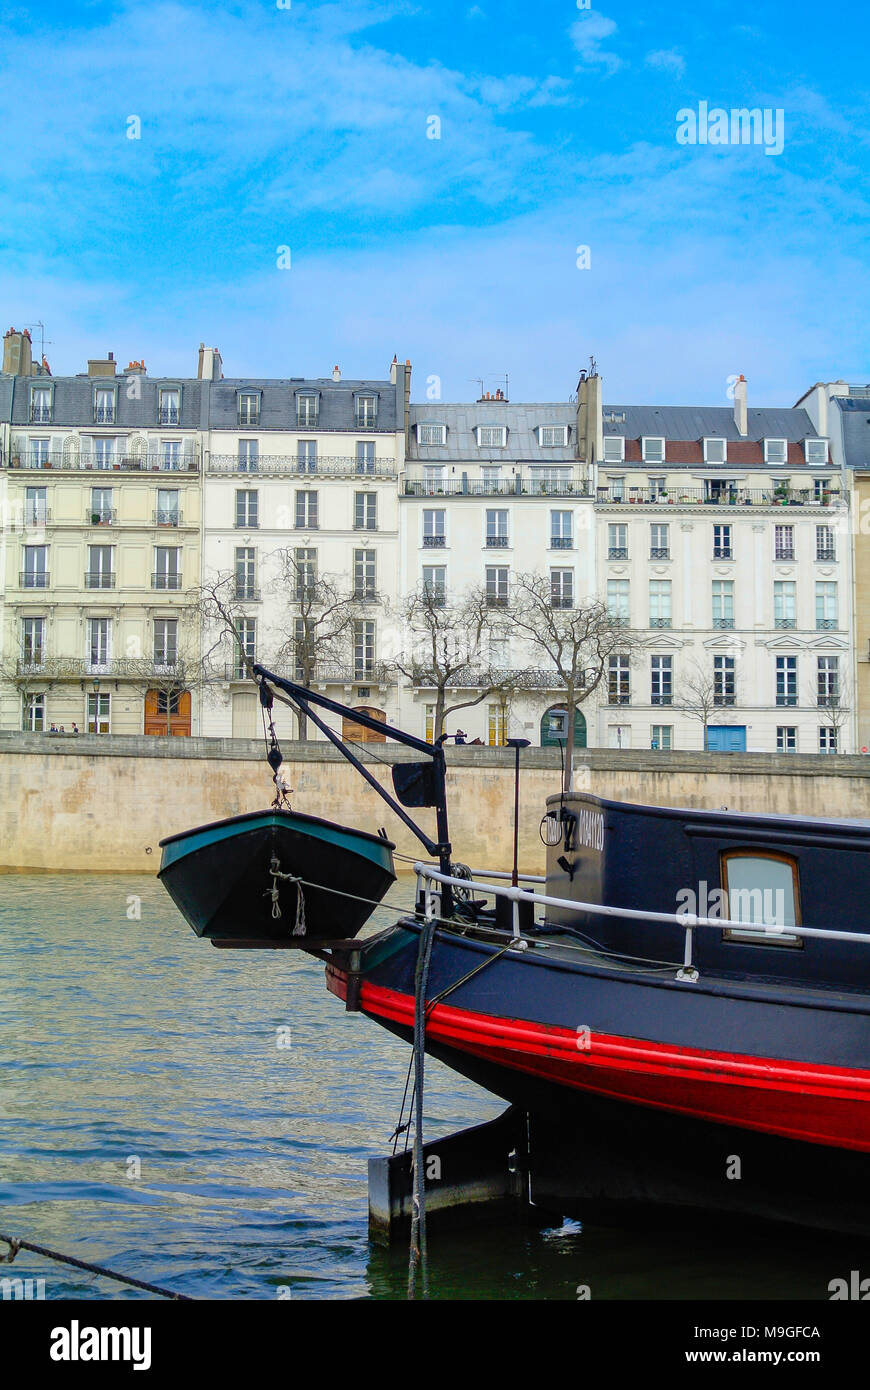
x: 761, y: 890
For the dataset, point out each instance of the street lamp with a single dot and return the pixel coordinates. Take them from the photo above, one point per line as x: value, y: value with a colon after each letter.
x: 96, y: 704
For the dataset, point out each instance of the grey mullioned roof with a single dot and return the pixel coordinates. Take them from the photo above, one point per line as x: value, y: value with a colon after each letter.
x: 73, y: 400
x: 522, y: 438
x: 855, y: 415
x: 691, y: 422
x: 278, y: 402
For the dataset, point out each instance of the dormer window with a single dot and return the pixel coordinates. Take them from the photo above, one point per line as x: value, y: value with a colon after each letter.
x: 715, y: 450
x: 40, y: 405
x: 431, y: 434
x: 552, y: 436
x: 104, y: 406
x: 366, y: 411
x: 614, y: 448
x: 249, y: 408
x: 307, y: 409
x: 816, y: 450
x: 491, y: 436
x: 653, y: 449
x: 776, y: 451
x: 170, y: 406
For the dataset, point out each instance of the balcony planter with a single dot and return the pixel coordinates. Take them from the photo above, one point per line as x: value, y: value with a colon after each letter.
x: 46, y: 463
x: 95, y: 518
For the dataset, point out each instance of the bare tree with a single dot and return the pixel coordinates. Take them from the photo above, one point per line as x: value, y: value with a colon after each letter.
x: 833, y: 700
x: 27, y: 678
x: 578, y: 639
x: 701, y: 693
x: 446, y: 636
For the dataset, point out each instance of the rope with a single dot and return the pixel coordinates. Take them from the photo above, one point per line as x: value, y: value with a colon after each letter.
x: 16, y: 1245
x: 299, y: 927
x: 418, y: 1251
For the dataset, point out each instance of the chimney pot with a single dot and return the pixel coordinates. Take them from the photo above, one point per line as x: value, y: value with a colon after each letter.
x: 741, y: 415
x: 336, y: 374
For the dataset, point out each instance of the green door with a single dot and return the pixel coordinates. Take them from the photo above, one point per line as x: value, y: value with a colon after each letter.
x: 554, y: 727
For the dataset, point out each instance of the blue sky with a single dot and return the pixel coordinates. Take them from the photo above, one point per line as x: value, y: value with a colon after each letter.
x: 306, y: 127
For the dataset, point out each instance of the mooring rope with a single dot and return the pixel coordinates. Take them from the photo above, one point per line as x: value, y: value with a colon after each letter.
x: 418, y: 1251
x: 15, y: 1244
x: 299, y: 927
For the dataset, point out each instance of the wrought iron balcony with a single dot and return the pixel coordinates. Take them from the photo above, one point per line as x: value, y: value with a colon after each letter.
x: 737, y: 497
x: 99, y: 579
x: 307, y: 419
x: 617, y: 552
x: 561, y: 543
x: 434, y: 542
x: 496, y: 600
x: 825, y: 624
x: 168, y: 516
x: 332, y: 466
x: 786, y: 699
x: 826, y: 554
x: 33, y: 579
x: 81, y: 668
x: 519, y: 486
x: 561, y: 601
x: 659, y: 622
x: 170, y: 415
x: 246, y: 593
x: 662, y: 700
x: 784, y: 553
x: 722, y: 552
x: 496, y: 542
x: 104, y: 415
x: 785, y: 622
x: 614, y: 699
x: 248, y: 419
x: 163, y: 580
x: 40, y: 415
x: 724, y: 699
x: 36, y: 515
x: 723, y: 622
x: 660, y: 552
x: 86, y: 461
x: 101, y: 516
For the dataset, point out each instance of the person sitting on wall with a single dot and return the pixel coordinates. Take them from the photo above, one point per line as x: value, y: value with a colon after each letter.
x: 62, y: 730
x: 459, y: 736
x: 75, y: 728
x: 52, y: 730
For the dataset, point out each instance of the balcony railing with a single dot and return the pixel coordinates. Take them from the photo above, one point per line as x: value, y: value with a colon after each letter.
x: 615, y: 699
x: 33, y: 579
x: 723, y: 622
x: 561, y: 543
x: 660, y: 552
x: 168, y: 516
x: 659, y: 622
x: 152, y: 462
x: 99, y: 579
x: 786, y: 700
x: 826, y: 554
x: 104, y: 415
x: 246, y: 593
x: 617, y: 552
x: 78, y: 668
x: 739, y: 497
x: 785, y: 622
x: 561, y: 601
x: 496, y: 542
x: 162, y: 580
x: 825, y: 624
x: 662, y: 700
x: 338, y: 466
x: 101, y: 516
x: 520, y: 486
x: 722, y: 552
x: 40, y: 415
x: 434, y: 542
x: 496, y: 600
x: 36, y: 516
x: 170, y: 415
x: 724, y: 699
x: 784, y: 552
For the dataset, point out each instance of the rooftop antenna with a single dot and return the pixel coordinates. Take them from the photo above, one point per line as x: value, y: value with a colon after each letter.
x: 42, y: 338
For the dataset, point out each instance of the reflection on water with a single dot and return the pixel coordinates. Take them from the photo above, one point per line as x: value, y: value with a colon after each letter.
x: 125, y: 1038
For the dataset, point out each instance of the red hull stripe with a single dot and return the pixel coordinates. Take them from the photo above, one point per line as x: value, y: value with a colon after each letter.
x: 819, y: 1104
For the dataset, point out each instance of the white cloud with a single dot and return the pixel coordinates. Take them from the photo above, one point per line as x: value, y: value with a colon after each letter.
x: 588, y: 33
x: 668, y: 59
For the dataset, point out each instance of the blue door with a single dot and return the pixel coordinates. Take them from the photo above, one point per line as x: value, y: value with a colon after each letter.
x: 726, y: 738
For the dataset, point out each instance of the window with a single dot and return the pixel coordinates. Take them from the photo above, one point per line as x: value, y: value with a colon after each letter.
x: 657, y: 487
x: 786, y: 680
x: 307, y: 409
x: 496, y: 586
x: 786, y: 738
x: 366, y: 410
x: 499, y: 652
x: 660, y: 603
x: 723, y: 603
x: 33, y: 713
x: 715, y: 450
x: 33, y: 641
x: 40, y: 405
x: 490, y: 476
x: 783, y: 542
x: 661, y: 671
x: 761, y: 890
x: 246, y: 652
x: 431, y: 434
x: 826, y: 548
x: 104, y: 406
x: 722, y: 543
x: 618, y: 680
x: 435, y: 584
x: 430, y: 724
x: 39, y: 453
x: 617, y: 487
x: 561, y: 531
x: 827, y: 738
x: 246, y: 572
x: 491, y: 436
x: 35, y: 506
x: 249, y: 455
x: 821, y: 490
x: 550, y: 481
x: 363, y: 648
x: 35, y: 573
x: 306, y: 511
x: 496, y: 530
x: 167, y: 567
x: 619, y: 735
x: 104, y: 453
x: 826, y: 604
x: 249, y: 408
x: 659, y: 548
x: 99, y: 639
x: 98, y: 714
x: 365, y: 511
x: 99, y: 572
x: 306, y: 456
x: 496, y: 725
x: 614, y: 448
x: 816, y: 450
x: 165, y: 641
x: 775, y: 451
x: 552, y: 436
x: 723, y: 680
x: 662, y: 736
x: 618, y: 599
x: 562, y: 588
x: 305, y: 562
x: 168, y: 513
x: 365, y: 456
x: 247, y: 509
x: 170, y: 407
x: 828, y: 680
x: 101, y: 511
x: 433, y: 479
x: 364, y: 574
x: 617, y: 542
x: 653, y: 450
x: 784, y: 600
x: 167, y: 701
x: 433, y: 529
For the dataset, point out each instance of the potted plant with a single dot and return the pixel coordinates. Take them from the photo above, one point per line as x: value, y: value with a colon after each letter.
x: 95, y: 518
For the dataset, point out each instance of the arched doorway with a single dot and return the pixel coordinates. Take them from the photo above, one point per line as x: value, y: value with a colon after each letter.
x: 167, y: 712
x: 554, y: 727
x: 358, y: 732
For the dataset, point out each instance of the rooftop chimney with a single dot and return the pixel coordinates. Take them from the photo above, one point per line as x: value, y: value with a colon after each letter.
x: 102, y: 366
x: 336, y: 374
x: 393, y: 368
x: 741, y: 417
x: 134, y: 368
x: 17, y: 353
x: 589, y: 435
x: 209, y: 366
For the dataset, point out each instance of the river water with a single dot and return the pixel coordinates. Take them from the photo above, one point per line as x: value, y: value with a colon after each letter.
x: 150, y: 1121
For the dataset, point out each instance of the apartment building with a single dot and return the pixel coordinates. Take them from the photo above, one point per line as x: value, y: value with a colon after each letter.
x: 101, y: 474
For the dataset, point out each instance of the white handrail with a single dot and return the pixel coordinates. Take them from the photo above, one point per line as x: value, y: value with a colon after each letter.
x: 687, y: 920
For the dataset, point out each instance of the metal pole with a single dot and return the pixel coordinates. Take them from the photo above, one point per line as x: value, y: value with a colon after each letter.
x: 516, y: 744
